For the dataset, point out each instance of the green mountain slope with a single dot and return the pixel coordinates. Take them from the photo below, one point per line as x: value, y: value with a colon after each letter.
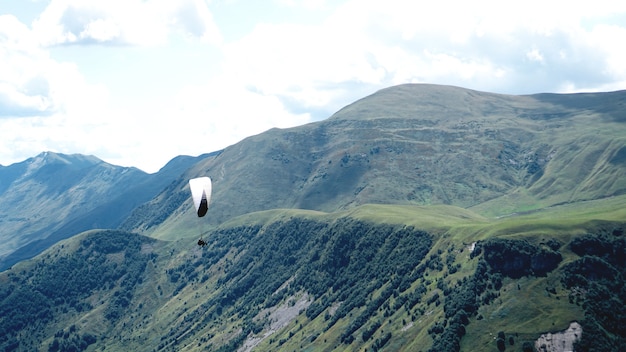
x: 398, y: 278
x: 417, y: 145
x: 421, y: 218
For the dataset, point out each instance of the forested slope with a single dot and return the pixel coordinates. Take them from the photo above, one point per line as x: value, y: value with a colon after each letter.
x: 312, y: 281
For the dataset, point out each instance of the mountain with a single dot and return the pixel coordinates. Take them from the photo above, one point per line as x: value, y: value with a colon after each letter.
x: 377, y: 277
x: 54, y: 196
x: 417, y: 145
x: 420, y: 218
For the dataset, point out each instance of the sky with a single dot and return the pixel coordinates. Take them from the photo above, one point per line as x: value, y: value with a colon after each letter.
x: 139, y: 82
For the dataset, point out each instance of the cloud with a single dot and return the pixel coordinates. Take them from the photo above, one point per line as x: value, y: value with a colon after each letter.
x: 25, y: 87
x: 34, y: 84
x: 22, y: 101
x: 520, y: 48
x: 165, y: 79
x: 193, y: 18
x: 124, y: 22
x: 524, y: 47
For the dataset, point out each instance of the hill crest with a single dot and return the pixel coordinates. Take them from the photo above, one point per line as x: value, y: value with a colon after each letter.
x: 420, y: 145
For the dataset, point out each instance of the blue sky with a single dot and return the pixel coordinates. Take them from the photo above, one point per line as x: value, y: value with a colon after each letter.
x: 138, y: 82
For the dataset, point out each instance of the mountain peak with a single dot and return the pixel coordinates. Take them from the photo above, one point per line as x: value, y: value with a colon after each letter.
x: 435, y: 104
x: 419, y: 101
x: 47, y: 158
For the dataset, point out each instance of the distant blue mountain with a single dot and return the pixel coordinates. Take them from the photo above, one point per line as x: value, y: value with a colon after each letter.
x: 53, y: 196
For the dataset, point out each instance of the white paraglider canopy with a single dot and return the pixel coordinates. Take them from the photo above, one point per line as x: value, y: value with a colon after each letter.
x: 201, y: 194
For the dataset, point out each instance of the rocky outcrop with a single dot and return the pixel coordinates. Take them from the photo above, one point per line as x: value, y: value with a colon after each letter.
x: 560, y: 341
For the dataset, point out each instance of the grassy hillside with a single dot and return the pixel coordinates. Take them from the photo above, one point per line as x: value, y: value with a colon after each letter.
x: 372, y: 277
x: 421, y: 218
x: 416, y: 145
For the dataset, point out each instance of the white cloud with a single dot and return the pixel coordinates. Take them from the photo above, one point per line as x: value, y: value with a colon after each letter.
x: 31, y: 83
x: 535, y: 55
x: 608, y: 39
x: 487, y: 45
x: 164, y: 79
x: 193, y: 18
x: 222, y: 113
x: 124, y: 22
x: 307, y: 4
x: 23, y: 89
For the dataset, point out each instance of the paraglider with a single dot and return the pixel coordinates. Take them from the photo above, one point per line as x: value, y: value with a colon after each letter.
x: 201, y: 195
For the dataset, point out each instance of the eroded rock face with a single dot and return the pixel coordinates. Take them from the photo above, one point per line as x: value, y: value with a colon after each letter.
x: 561, y: 341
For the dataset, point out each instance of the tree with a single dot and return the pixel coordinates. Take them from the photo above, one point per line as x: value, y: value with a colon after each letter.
x: 527, y: 347
x: 500, y: 341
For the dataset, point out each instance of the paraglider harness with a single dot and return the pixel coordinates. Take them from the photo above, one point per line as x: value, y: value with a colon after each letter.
x: 201, y: 243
